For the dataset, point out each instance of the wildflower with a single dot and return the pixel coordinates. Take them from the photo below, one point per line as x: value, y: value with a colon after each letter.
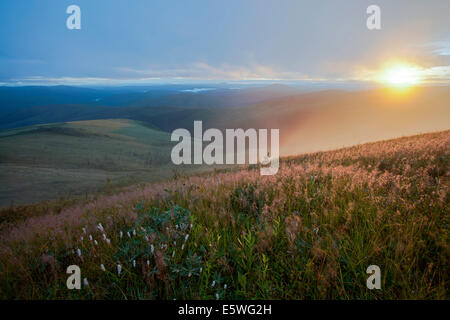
x: 108, y: 241
x: 81, y: 238
x: 148, y: 262
x: 316, y: 230
x: 90, y: 237
x: 152, y: 249
x: 143, y: 230
x: 190, y: 274
x: 100, y: 227
x: 201, y: 269
x: 86, y: 283
x: 146, y: 238
x: 225, y: 286
x: 95, y: 241
x: 102, y: 267
x: 186, y: 237
x: 104, y: 236
x: 134, y: 263
x: 182, y: 247
x: 174, y: 243
x: 173, y: 253
x: 120, y: 234
x: 119, y: 269
x: 191, y: 225
x: 128, y: 234
x: 134, y: 232
x: 84, y: 230
x: 217, y: 296
x: 213, y: 283
x: 79, y: 252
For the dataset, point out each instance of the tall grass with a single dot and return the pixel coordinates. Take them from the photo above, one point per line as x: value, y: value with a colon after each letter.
x: 308, y: 232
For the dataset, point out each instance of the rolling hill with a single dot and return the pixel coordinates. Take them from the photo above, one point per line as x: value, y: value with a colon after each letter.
x: 71, y: 159
x: 22, y: 106
x: 309, y: 232
x: 89, y: 145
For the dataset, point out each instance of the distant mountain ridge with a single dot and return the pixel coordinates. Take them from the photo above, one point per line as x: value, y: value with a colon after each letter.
x: 12, y: 98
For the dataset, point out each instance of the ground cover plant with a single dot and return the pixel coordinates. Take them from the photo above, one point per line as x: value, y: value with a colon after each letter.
x: 308, y: 232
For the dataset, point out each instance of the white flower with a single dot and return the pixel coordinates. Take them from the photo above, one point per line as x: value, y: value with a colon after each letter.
x: 201, y: 269
x: 108, y: 241
x: 148, y: 262
x: 81, y: 238
x: 95, y: 241
x: 217, y: 296
x: 100, y: 227
x: 190, y: 274
x: 134, y: 232
x: 225, y: 286
x: 86, y: 283
x: 186, y: 237
x: 174, y: 243
x: 128, y: 234
x: 104, y: 236
x: 134, y: 263
x: 191, y: 225
x: 102, y: 267
x: 173, y: 253
x: 84, y: 230
x: 90, y: 237
x: 152, y: 249
x: 119, y: 269
x: 79, y: 252
x: 182, y: 247
x: 213, y: 283
x: 120, y: 234
x: 143, y: 230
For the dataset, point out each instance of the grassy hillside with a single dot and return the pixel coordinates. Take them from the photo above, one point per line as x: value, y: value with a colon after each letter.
x: 309, y: 231
x: 70, y: 159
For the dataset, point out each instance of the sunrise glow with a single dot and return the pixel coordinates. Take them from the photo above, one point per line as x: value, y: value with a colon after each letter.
x: 401, y: 75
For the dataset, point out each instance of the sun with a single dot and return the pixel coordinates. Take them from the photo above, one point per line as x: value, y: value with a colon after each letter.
x: 400, y: 75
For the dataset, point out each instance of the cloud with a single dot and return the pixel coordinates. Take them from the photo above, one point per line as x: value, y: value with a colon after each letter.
x: 437, y: 74
x: 442, y: 48
x: 204, y: 72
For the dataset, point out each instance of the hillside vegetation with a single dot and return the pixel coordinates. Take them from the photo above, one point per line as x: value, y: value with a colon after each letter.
x: 308, y: 232
x: 45, y: 162
x: 103, y: 146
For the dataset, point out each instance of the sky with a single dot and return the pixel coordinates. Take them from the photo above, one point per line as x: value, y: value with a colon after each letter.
x: 168, y: 41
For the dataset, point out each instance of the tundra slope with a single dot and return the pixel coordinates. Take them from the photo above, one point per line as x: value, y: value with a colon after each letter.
x: 308, y: 232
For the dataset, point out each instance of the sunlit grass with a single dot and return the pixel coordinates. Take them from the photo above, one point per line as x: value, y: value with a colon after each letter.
x: 308, y: 232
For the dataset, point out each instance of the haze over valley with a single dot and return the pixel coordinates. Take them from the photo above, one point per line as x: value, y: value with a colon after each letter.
x: 62, y: 142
